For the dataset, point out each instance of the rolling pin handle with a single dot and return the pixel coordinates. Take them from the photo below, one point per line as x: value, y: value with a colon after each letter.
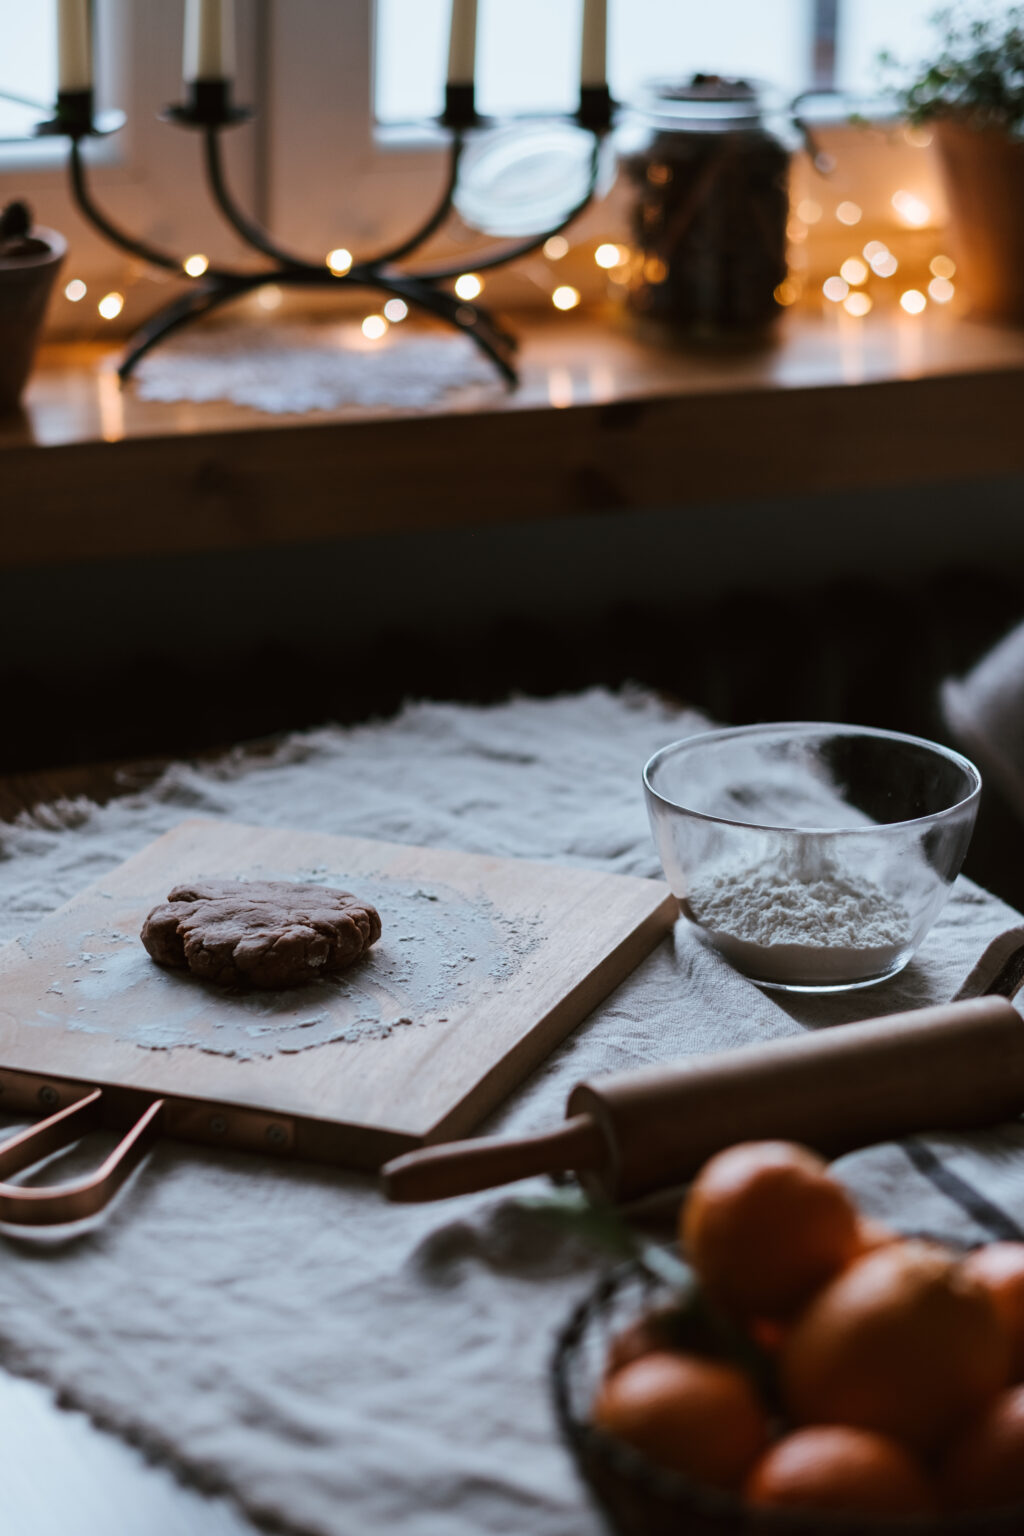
x: 463, y: 1167
x: 50, y: 1206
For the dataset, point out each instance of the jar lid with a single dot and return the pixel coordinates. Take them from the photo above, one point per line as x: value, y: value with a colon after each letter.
x: 707, y: 102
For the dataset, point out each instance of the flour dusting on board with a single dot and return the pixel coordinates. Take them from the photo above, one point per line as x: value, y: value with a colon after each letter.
x: 436, y: 941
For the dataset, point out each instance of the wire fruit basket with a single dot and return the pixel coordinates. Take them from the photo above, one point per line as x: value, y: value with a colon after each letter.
x: 640, y: 1499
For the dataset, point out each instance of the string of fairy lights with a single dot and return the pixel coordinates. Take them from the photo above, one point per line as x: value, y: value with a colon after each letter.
x: 866, y: 275
x: 875, y: 274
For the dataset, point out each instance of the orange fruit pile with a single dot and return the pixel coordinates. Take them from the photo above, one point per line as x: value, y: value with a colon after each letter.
x: 894, y: 1368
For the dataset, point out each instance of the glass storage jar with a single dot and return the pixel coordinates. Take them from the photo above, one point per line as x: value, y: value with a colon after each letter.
x: 707, y: 162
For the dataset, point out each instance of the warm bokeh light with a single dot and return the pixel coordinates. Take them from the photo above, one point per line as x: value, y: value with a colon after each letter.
x: 269, y: 296
x: 918, y: 135
x: 941, y: 290
x: 796, y: 230
x: 608, y: 256
x: 556, y: 248
x: 565, y: 297
x: 942, y: 266
x: 911, y: 209
x: 849, y: 213
x: 808, y: 210
x: 913, y: 301
x: 885, y: 266
x: 196, y: 265
x: 835, y: 289
x: 339, y: 261
x: 111, y: 305
x: 75, y: 290
x: 395, y: 310
x: 469, y: 286
x: 874, y: 249
x: 858, y: 305
x: 854, y: 271
x: 786, y: 293
x: 374, y: 327
x: 655, y: 270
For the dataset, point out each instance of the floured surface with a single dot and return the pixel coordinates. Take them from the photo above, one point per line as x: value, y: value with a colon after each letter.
x: 339, y: 1366
x: 483, y: 965
x: 437, y: 942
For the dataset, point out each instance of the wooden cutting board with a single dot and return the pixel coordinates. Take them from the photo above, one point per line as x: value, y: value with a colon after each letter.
x: 484, y: 965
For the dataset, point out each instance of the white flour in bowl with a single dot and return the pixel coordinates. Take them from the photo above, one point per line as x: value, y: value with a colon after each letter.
x: 803, y: 930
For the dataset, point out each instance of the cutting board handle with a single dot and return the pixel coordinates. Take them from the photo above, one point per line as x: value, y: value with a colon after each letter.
x: 33, y: 1207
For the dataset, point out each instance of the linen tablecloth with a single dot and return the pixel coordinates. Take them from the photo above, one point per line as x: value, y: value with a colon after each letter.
x: 343, y: 1367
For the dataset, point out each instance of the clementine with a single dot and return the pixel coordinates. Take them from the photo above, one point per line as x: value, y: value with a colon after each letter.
x: 686, y: 1414
x: 1000, y: 1269
x: 985, y: 1469
x: 902, y: 1342
x: 765, y: 1226
x: 842, y: 1470
x: 650, y: 1332
x: 873, y: 1234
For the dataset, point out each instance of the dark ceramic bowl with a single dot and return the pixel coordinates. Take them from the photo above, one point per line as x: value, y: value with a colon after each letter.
x: 26, y: 282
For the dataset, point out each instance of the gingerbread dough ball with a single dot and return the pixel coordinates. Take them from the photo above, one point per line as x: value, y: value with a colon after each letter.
x: 266, y: 933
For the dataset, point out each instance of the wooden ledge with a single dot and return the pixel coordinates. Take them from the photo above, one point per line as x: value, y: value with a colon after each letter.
x: 601, y: 422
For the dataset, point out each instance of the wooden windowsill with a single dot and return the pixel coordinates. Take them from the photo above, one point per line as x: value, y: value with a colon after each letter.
x: 601, y: 422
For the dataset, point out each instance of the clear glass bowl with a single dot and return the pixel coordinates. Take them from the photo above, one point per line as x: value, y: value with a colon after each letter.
x: 814, y: 857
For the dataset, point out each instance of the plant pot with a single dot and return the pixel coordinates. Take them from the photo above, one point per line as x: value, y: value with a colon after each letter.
x: 26, y: 282
x: 983, y: 169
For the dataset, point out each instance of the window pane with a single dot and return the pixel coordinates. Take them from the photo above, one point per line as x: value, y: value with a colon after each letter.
x: 527, y: 56
x: 411, y: 40
x: 659, y: 38
x: 866, y: 27
x: 28, y: 62
x: 529, y: 49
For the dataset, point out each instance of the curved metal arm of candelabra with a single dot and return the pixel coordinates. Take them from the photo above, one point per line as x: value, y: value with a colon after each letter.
x: 472, y: 319
x: 533, y: 242
x: 435, y: 220
x: 116, y: 235
x: 190, y: 306
x: 215, y: 291
x: 252, y: 233
x: 221, y: 285
x: 106, y: 226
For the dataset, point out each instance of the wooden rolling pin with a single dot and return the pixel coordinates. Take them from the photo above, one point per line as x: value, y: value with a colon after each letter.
x: 952, y: 1067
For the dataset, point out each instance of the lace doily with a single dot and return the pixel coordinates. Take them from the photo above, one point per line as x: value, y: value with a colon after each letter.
x: 298, y: 368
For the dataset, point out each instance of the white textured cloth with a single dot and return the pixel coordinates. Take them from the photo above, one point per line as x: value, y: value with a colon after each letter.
x: 339, y: 1365
x: 985, y: 711
x: 294, y: 369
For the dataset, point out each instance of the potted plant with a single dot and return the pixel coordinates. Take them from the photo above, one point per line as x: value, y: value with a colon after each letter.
x: 972, y: 96
x: 30, y: 259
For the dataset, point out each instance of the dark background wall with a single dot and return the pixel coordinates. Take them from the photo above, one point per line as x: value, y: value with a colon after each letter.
x: 847, y: 608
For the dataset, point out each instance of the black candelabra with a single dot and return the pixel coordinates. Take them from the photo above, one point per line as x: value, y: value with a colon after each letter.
x: 210, y: 110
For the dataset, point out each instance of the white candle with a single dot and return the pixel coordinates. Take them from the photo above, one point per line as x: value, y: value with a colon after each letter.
x: 594, y: 53
x: 209, y: 39
x: 462, y: 43
x: 74, y: 46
